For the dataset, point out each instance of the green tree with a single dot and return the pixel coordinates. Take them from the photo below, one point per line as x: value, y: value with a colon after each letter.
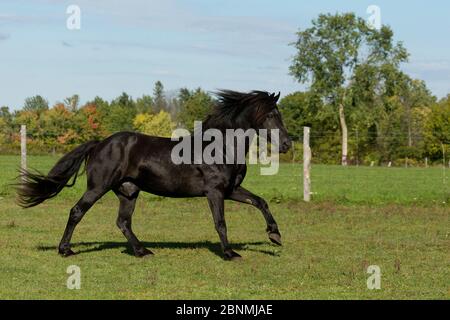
x: 329, y: 52
x: 184, y: 95
x: 144, y: 104
x: 36, y: 103
x: 99, y: 103
x: 7, y: 127
x: 299, y: 109
x: 5, y: 114
x: 194, y: 107
x: 120, y: 114
x: 3, y: 134
x: 32, y: 120
x: 55, y: 123
x: 413, y: 95
x: 158, y: 97
x: 437, y: 129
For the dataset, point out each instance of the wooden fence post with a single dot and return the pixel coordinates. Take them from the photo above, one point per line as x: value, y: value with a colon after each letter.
x: 306, y: 166
x: 23, y: 147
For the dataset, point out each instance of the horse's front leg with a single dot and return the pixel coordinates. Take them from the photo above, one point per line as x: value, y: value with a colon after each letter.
x: 243, y: 195
x: 216, y: 203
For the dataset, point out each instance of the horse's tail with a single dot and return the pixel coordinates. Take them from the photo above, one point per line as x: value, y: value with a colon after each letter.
x: 36, y: 187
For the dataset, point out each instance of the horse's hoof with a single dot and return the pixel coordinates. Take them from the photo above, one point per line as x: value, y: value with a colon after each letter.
x: 275, y: 238
x: 66, y: 253
x: 231, y: 255
x: 143, y: 253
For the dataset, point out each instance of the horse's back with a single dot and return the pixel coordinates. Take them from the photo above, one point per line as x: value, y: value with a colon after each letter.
x: 145, y: 161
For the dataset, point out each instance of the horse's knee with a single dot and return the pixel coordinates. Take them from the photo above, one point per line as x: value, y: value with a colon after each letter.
x: 76, y: 214
x: 129, y: 190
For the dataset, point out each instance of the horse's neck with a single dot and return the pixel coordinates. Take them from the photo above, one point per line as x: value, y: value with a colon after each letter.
x: 206, y: 126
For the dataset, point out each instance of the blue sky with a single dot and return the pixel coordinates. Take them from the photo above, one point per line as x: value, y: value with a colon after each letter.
x: 234, y: 44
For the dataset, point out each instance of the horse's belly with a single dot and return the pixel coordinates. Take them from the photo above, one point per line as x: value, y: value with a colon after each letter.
x: 171, y: 182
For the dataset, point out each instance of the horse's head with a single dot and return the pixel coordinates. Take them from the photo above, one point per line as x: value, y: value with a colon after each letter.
x: 269, y: 117
x: 254, y: 110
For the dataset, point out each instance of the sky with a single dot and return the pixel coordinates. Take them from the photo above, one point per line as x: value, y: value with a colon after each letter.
x: 125, y: 46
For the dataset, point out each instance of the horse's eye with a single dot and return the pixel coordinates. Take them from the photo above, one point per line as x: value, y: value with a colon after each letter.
x: 269, y: 115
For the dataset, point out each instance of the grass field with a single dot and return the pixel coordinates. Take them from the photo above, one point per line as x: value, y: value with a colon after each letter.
x: 396, y: 218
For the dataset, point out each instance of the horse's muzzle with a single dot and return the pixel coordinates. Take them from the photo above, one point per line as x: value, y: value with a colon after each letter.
x: 285, y: 145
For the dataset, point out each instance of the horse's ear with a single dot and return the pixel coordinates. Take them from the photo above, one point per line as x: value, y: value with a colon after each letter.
x: 276, y: 97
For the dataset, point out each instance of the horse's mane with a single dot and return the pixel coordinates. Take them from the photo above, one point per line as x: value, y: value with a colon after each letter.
x: 230, y: 106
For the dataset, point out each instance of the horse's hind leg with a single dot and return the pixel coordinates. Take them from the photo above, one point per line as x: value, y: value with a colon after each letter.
x: 76, y: 214
x: 127, y: 195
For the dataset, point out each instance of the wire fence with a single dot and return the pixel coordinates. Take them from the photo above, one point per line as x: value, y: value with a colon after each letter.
x: 390, y: 150
x: 426, y: 178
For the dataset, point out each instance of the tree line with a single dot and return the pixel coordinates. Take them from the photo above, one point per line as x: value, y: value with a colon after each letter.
x: 361, y: 106
x: 60, y: 127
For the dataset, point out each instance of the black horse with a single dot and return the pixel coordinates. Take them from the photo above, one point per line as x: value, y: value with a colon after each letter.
x: 129, y: 162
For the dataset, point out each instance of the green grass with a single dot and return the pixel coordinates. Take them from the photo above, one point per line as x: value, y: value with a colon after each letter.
x: 395, y: 218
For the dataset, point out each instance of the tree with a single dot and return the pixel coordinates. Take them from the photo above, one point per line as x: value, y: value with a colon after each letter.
x: 177, y: 102
x: 89, y: 123
x: 99, y: 103
x: 5, y: 113
x: 301, y: 109
x: 413, y: 94
x: 298, y: 110
x: 31, y: 119
x: 158, y: 97
x: 387, y: 110
x: 144, y: 104
x: 72, y: 102
x: 194, y: 107
x: 331, y: 50
x: 3, y: 133
x: 6, y: 119
x: 36, y: 103
x: 159, y: 124
x: 56, y: 120
x: 184, y: 95
x: 120, y: 114
x: 437, y: 129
